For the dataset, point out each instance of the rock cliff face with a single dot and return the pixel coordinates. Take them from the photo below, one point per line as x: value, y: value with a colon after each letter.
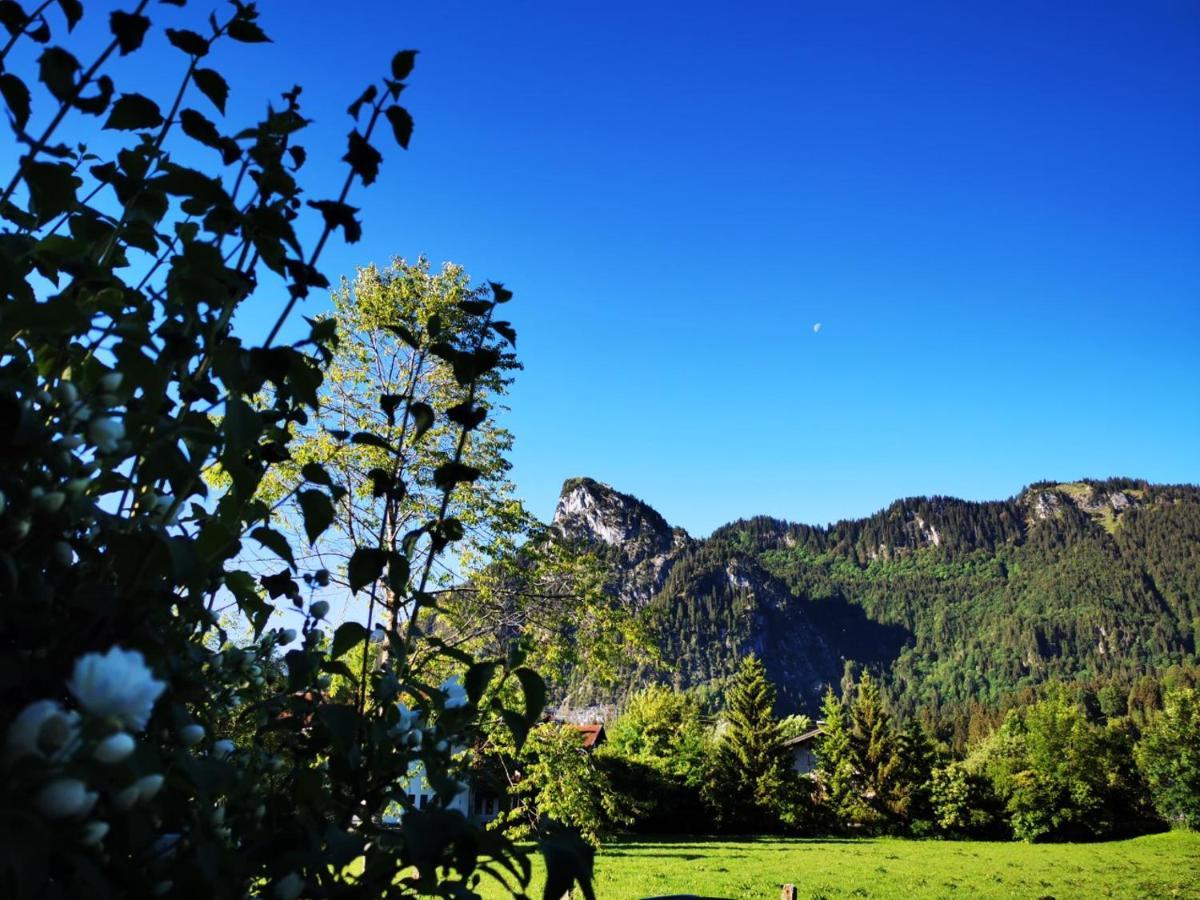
x: 632, y: 537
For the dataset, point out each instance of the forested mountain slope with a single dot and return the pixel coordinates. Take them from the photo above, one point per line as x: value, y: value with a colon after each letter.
x: 952, y: 602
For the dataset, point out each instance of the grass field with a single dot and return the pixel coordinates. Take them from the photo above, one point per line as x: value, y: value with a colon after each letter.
x: 1161, y: 865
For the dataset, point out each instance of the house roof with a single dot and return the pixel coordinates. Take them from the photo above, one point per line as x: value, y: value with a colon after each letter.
x: 802, y: 739
x: 592, y: 734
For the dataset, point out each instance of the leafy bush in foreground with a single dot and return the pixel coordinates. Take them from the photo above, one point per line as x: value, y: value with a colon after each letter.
x: 146, y: 750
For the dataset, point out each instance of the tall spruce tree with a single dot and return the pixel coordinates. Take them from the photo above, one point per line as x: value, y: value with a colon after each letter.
x: 748, y: 788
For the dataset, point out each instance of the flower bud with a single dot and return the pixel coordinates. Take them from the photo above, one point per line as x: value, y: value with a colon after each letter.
x: 105, y: 433
x: 319, y: 609
x: 114, y: 748
x: 148, y: 787
x: 191, y: 735
x: 288, y: 887
x: 67, y: 393
x: 222, y: 748
x: 52, y: 502
x: 93, y: 833
x: 65, y: 798
x: 126, y: 797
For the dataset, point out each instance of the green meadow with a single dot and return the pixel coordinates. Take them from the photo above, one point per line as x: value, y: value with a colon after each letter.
x: 1161, y: 865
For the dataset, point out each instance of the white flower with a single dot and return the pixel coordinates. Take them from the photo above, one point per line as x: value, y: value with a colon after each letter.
x: 148, y: 786
x: 222, y: 748
x: 114, y: 748
x: 64, y: 798
x: 456, y: 694
x: 289, y: 887
x: 190, y: 735
x: 111, y: 381
x: 105, y: 433
x: 93, y: 833
x: 319, y: 609
x: 42, y: 728
x: 117, y: 684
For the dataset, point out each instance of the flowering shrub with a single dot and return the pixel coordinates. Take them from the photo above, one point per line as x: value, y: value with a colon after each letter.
x: 147, y: 751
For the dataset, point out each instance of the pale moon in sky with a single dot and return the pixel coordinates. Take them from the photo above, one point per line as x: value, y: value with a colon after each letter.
x: 817, y: 328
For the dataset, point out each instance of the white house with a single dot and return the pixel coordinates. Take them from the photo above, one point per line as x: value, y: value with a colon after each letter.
x: 804, y: 750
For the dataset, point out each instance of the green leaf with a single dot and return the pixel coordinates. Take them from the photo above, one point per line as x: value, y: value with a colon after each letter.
x: 479, y: 676
x: 318, y: 513
x: 56, y: 70
x: 16, y: 95
x: 371, y: 440
x: 405, y: 335
x: 402, y: 124
x: 447, y: 475
x: 12, y: 16
x: 275, y: 542
x: 52, y: 187
x: 367, y: 96
x: 316, y: 473
x: 500, y: 292
x: 506, y: 331
x: 517, y: 726
x: 247, y: 32
x: 132, y: 112
x: 339, y: 215
x: 188, y: 41
x: 214, y: 87
x: 366, y: 565
x: 129, y: 30
x: 468, y: 416
x: 422, y: 416
x: 534, y: 689
x: 569, y: 860
x: 241, y: 427
x: 364, y: 159
x: 402, y: 64
x: 346, y: 638
x: 73, y: 11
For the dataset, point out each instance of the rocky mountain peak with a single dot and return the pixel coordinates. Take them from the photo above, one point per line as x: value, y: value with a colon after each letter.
x: 638, y: 540
x: 592, y: 511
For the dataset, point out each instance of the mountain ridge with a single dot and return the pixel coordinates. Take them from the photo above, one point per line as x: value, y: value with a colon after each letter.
x: 951, y: 602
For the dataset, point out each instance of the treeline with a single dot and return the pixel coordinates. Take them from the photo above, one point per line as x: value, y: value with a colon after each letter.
x: 1055, y: 767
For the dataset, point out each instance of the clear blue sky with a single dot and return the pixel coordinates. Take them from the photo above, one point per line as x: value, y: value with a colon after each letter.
x: 992, y: 208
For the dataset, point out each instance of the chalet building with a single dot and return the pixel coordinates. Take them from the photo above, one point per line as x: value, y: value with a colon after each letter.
x: 803, y: 748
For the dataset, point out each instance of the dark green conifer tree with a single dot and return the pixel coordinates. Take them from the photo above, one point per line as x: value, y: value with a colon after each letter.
x: 748, y: 787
